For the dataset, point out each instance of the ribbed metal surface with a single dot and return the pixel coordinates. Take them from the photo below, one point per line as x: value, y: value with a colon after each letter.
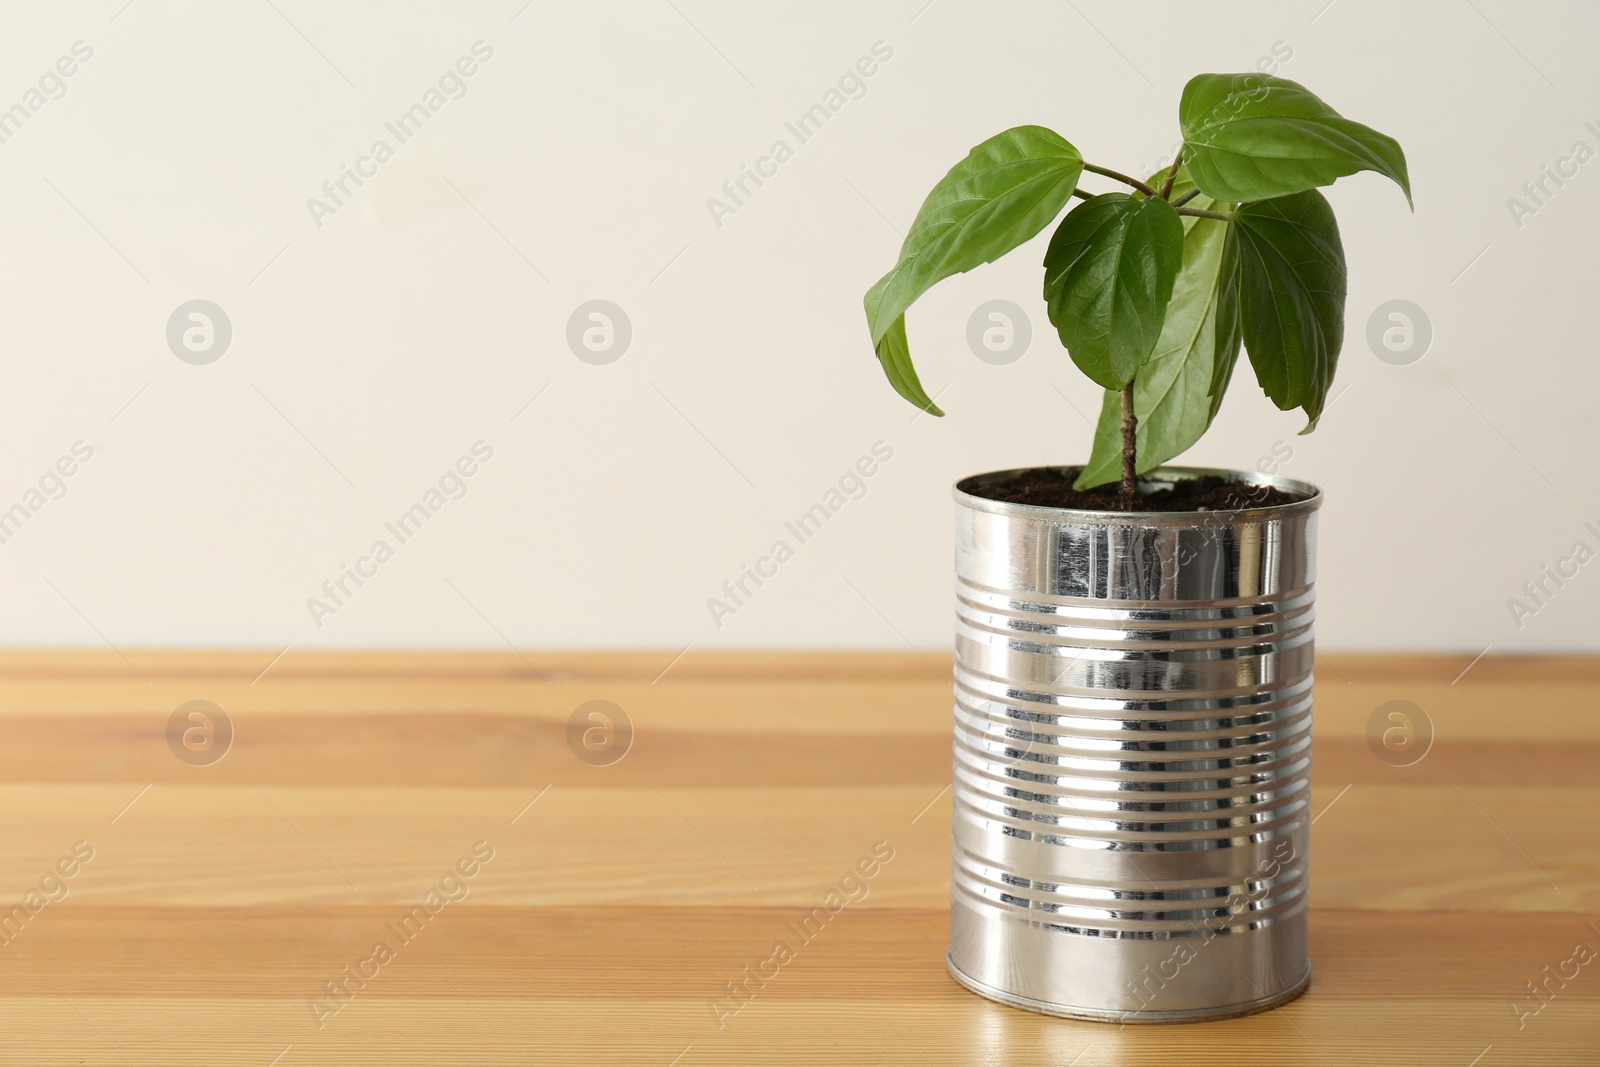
x: 1132, y: 755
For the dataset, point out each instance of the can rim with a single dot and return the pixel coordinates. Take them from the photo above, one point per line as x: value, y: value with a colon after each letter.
x: 1132, y: 1015
x: 961, y: 491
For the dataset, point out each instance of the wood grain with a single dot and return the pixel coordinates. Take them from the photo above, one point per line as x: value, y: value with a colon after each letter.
x: 221, y: 900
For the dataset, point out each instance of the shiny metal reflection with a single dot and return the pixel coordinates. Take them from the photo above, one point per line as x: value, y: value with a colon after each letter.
x: 1132, y: 768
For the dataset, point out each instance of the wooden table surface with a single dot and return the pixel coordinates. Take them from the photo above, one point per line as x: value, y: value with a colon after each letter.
x: 199, y: 910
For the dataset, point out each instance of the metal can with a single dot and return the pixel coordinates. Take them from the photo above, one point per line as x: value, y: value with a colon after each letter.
x: 1132, y: 772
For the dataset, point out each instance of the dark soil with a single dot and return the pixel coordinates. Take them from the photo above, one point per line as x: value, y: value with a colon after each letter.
x: 1052, y: 488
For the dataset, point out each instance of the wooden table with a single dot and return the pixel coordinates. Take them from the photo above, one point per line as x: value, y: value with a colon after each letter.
x: 224, y: 899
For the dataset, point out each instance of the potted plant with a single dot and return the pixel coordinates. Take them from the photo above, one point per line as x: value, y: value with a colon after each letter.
x: 1133, y: 652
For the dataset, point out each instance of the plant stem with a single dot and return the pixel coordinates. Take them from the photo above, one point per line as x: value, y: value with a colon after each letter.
x: 1130, y: 427
x: 1080, y: 192
x: 1172, y: 175
x: 1200, y: 213
x: 1119, y: 176
x: 1186, y: 197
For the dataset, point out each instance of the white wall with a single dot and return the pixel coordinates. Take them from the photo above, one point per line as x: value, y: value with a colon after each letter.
x: 371, y: 351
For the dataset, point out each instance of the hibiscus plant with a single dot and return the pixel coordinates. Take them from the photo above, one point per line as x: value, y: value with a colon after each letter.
x: 1153, y: 290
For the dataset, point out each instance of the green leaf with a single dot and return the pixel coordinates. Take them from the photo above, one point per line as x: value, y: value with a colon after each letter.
x: 895, y: 355
x: 1008, y: 189
x: 1255, y: 137
x: 1193, y: 359
x: 1107, y: 276
x: 1230, y: 335
x: 1291, y: 297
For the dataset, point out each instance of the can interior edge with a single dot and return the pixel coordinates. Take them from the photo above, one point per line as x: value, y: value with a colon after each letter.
x: 1311, y: 497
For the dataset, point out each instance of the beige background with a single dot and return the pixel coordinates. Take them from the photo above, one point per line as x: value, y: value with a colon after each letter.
x: 372, y: 351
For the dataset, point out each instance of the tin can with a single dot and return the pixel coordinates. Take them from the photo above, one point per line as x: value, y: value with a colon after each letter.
x: 1132, y: 772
